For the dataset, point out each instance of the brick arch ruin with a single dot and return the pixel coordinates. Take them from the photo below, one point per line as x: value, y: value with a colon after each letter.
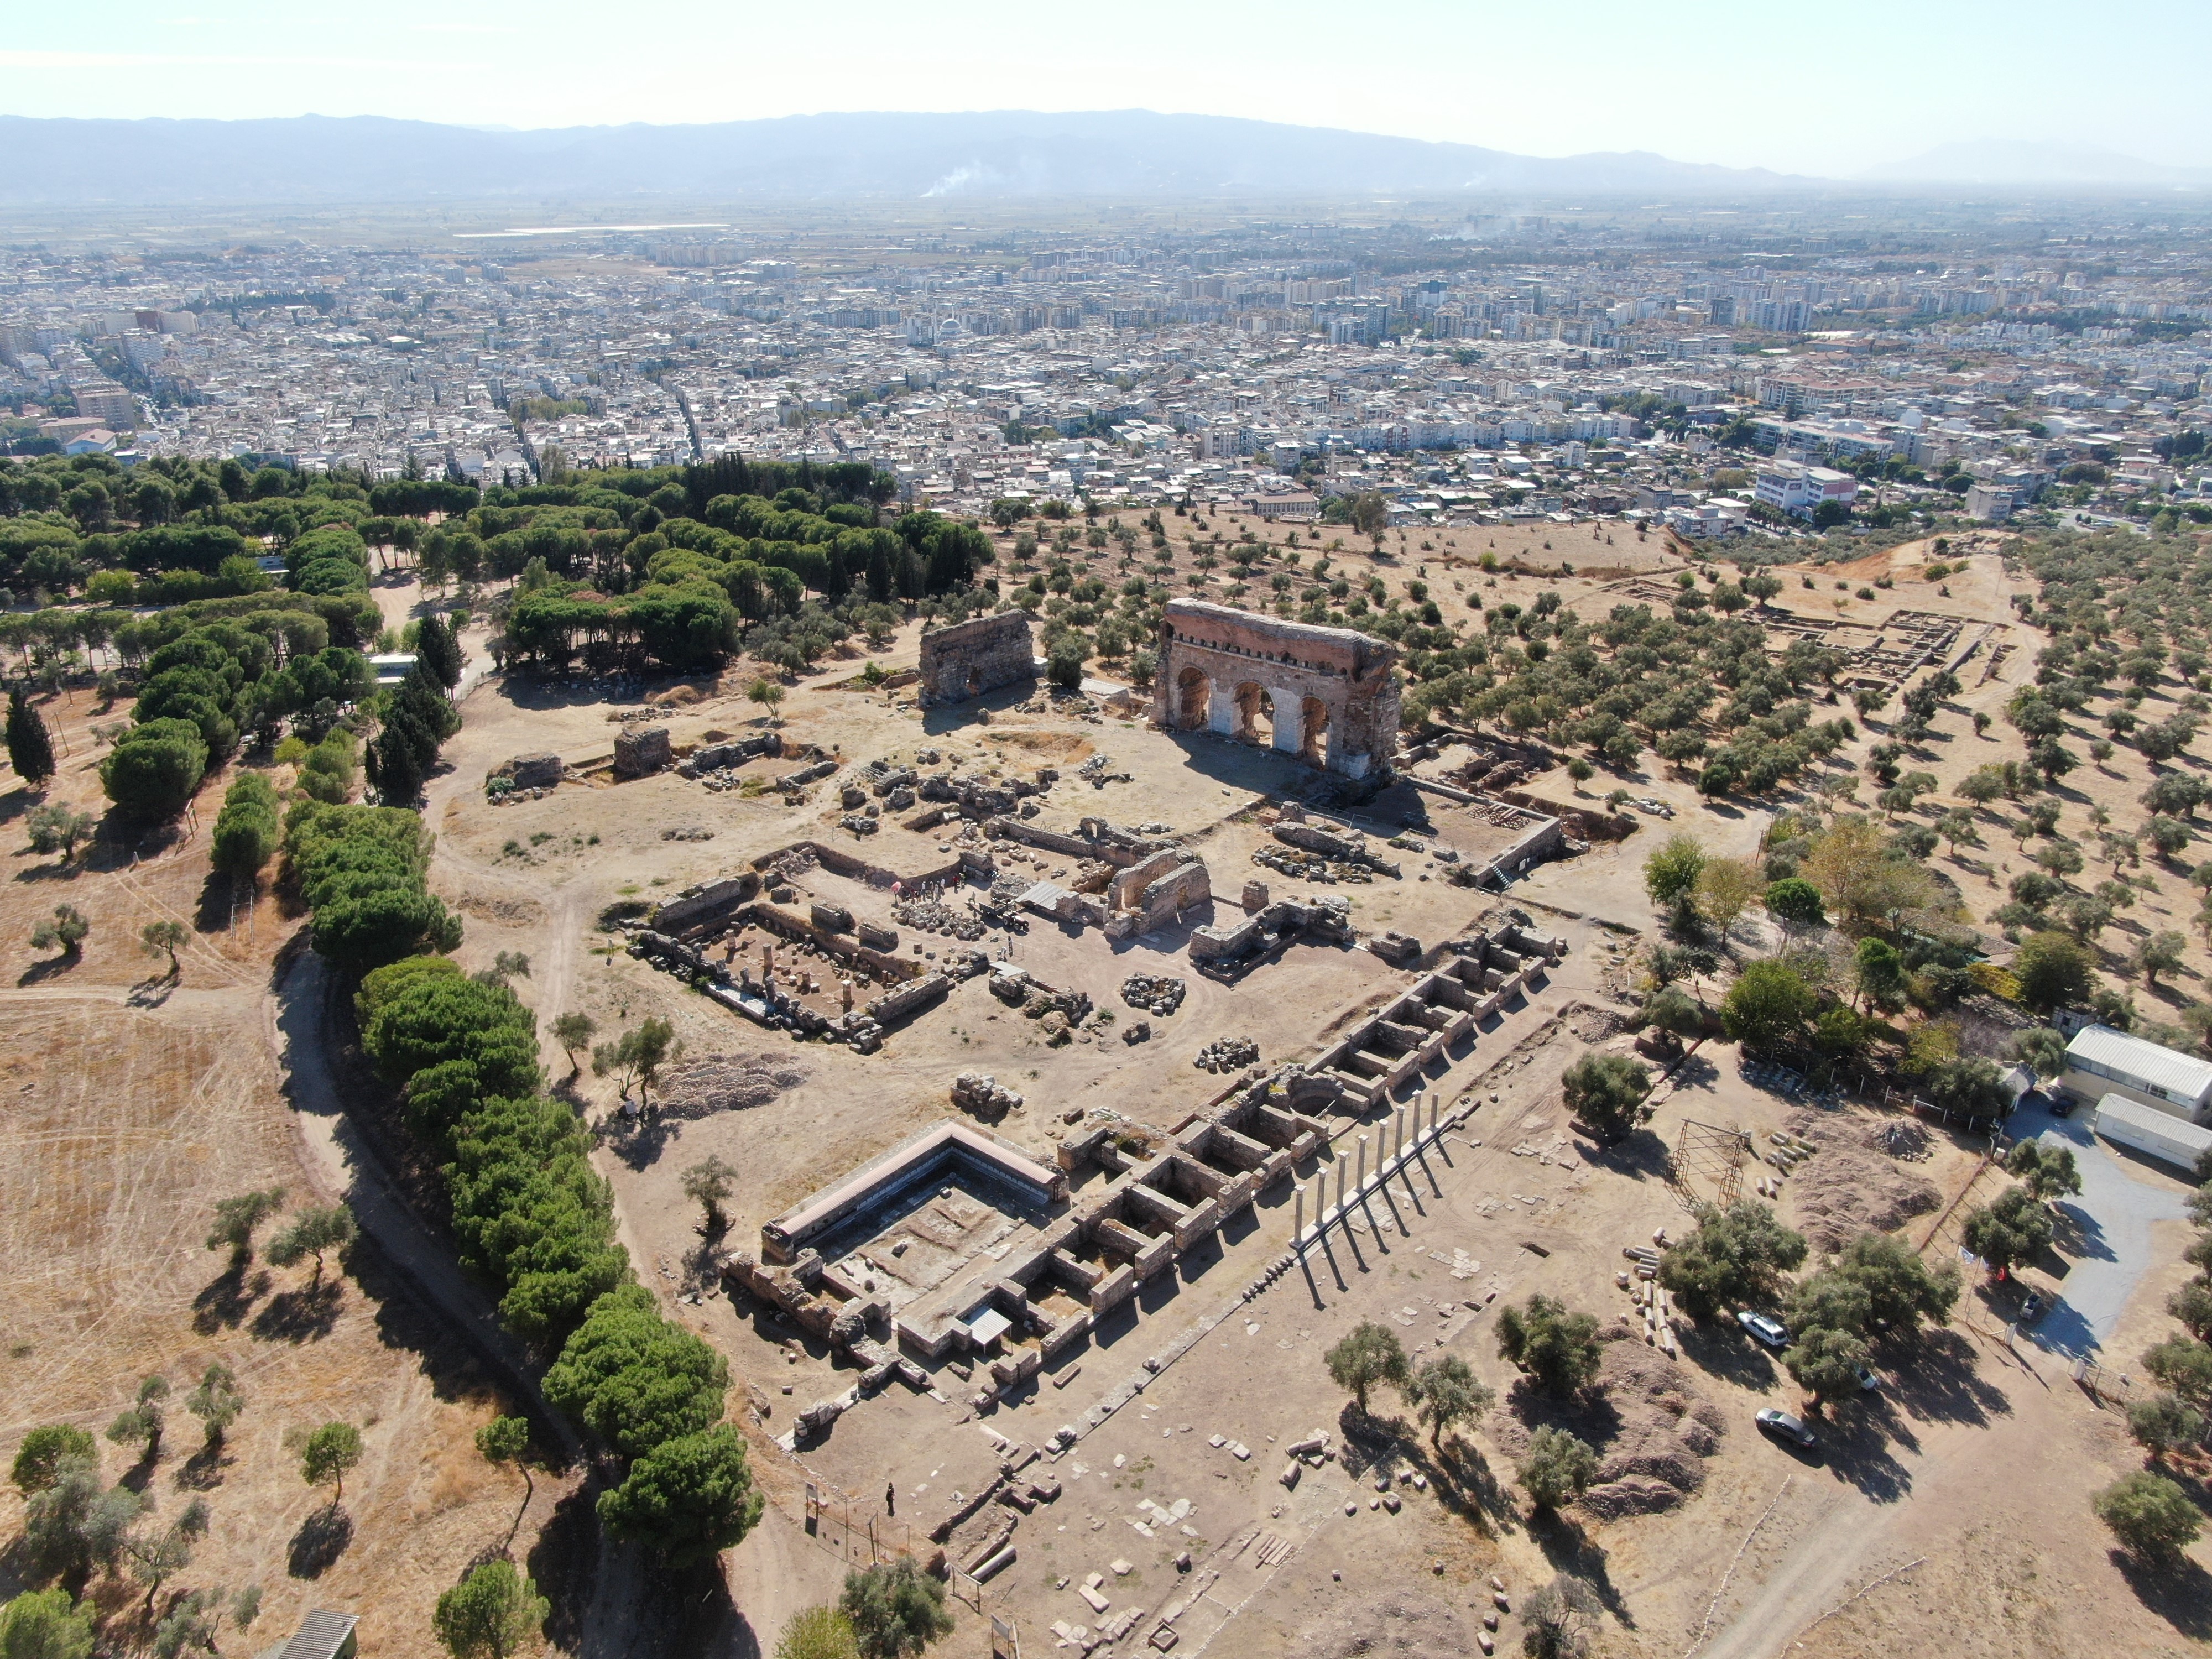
x: 1329, y: 697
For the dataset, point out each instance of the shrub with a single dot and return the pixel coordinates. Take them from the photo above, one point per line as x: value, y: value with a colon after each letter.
x: 1557, y: 1468
x: 2150, y: 1516
x: 1559, y: 1349
x: 895, y: 1610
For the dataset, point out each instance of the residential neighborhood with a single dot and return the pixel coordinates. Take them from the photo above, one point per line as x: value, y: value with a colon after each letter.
x: 1269, y: 368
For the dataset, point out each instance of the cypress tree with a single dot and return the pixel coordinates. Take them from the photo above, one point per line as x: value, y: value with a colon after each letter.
x: 437, y: 650
x: 30, y: 748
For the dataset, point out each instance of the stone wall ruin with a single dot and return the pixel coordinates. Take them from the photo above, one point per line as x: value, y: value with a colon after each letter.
x: 975, y: 656
x: 1329, y: 697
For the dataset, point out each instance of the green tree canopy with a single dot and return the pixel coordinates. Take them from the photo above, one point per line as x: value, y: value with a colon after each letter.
x: 1604, y: 1091
x: 153, y: 770
x: 1557, y: 1468
x: 1671, y: 872
x: 490, y: 1614
x: 330, y: 1450
x: 2047, y: 1170
x: 2010, y: 1229
x: 30, y: 746
x: 38, y: 1458
x: 1557, y: 1348
x: 1369, y: 1354
x: 1767, y: 1006
x: 1735, y: 1259
x: 47, y: 1624
x: 2150, y: 1516
x: 1446, y: 1393
x: 896, y: 1609
x: 633, y: 1378
x: 2054, y: 970
x: 686, y: 1500
x: 1795, y: 903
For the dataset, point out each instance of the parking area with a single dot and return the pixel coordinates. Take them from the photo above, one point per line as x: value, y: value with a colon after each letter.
x: 2108, y: 1247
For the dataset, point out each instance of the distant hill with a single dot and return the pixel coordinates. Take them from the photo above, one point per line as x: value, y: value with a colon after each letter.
x: 2017, y: 162
x: 1120, y: 153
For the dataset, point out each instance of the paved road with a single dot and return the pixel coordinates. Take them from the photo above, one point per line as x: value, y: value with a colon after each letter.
x: 2119, y: 1203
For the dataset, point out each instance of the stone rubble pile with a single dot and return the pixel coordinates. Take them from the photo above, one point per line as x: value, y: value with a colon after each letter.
x: 932, y: 915
x: 979, y: 1092
x: 1154, y: 994
x: 1228, y: 1054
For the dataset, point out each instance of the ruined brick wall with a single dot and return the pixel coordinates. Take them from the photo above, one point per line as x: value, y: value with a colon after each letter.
x: 978, y: 655
x: 1326, y: 696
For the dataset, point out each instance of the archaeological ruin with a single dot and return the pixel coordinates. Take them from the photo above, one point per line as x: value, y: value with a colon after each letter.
x: 1326, y: 696
x: 975, y: 656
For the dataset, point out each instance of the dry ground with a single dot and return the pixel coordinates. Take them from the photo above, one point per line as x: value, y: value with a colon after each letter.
x: 1931, y: 1441
x: 2019, y: 1549
x: 133, y: 1105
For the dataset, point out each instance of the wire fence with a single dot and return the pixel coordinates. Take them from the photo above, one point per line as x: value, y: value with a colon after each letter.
x: 864, y: 1537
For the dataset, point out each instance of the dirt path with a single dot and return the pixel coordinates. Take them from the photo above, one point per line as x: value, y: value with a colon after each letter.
x: 1834, y: 1537
x: 345, y: 1164
x: 774, y: 1574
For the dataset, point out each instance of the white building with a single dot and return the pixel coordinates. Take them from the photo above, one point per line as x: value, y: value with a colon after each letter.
x: 2101, y: 1061
x: 1797, y: 490
x: 2146, y: 1129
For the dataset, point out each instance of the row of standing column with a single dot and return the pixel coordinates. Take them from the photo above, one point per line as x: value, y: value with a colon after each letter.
x: 1391, y: 1158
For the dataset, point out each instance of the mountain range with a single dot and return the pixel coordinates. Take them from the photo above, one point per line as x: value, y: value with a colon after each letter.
x: 1115, y: 153
x: 2015, y: 161
x: 1112, y: 154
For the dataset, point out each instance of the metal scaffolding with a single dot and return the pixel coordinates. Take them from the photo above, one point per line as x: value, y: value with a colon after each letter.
x: 1705, y: 1164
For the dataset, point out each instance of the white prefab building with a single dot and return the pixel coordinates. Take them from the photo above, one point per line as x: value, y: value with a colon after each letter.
x: 2100, y: 1062
x: 2148, y: 1129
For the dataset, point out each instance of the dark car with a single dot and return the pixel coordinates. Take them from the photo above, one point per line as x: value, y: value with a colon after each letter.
x: 1783, y: 1426
x: 2063, y: 1106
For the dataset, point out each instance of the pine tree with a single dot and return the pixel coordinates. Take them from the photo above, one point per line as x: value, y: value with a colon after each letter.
x: 30, y: 748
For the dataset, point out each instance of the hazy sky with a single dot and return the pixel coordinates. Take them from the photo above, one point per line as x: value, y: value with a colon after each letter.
x: 1814, y: 89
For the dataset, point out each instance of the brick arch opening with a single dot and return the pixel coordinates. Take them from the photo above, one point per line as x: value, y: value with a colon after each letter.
x: 1255, y: 714
x: 1193, y: 692
x: 1313, y: 730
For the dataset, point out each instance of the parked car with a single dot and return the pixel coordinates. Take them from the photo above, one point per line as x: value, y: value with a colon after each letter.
x: 1868, y: 1383
x: 1764, y: 1329
x: 2032, y: 1309
x: 2062, y: 1106
x: 1783, y: 1426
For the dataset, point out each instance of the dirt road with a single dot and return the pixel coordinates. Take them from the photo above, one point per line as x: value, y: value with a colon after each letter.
x: 1831, y: 1534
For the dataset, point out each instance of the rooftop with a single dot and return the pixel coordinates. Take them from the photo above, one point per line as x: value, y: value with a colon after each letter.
x: 2150, y: 1063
